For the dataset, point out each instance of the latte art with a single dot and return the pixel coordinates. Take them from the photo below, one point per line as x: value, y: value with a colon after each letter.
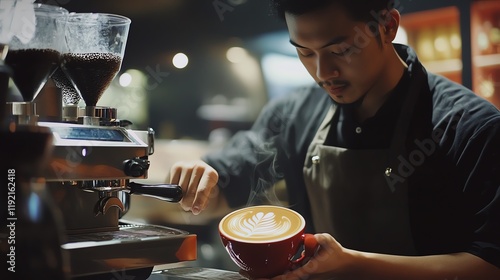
x: 258, y: 225
x: 262, y: 223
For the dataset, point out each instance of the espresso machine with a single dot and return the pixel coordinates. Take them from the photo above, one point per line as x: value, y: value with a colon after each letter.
x: 87, y: 161
x: 89, y: 178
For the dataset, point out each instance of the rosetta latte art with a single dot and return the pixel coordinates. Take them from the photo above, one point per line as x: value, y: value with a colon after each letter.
x: 258, y: 225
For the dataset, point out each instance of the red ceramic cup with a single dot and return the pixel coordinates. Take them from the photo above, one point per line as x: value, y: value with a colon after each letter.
x: 264, y: 240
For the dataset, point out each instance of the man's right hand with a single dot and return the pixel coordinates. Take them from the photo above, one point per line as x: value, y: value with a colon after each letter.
x: 197, y: 180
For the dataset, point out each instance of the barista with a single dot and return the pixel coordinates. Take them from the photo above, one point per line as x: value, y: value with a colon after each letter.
x: 395, y: 169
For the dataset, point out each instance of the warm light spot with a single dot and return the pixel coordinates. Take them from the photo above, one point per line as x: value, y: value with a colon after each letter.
x: 180, y: 60
x: 487, y: 89
x: 236, y: 54
x: 482, y: 41
x: 441, y: 44
x: 125, y: 79
x: 455, y: 41
x: 426, y: 49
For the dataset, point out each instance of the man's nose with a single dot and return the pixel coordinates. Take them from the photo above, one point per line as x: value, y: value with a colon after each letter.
x: 326, y: 68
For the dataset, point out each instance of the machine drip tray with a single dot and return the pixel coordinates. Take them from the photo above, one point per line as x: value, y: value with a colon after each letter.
x: 195, y: 273
x: 126, y: 233
x: 132, y: 247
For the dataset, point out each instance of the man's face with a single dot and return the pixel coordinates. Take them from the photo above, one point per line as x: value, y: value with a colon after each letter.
x: 342, y: 55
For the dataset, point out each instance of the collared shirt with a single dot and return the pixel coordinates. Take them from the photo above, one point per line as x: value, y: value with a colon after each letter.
x: 373, y: 133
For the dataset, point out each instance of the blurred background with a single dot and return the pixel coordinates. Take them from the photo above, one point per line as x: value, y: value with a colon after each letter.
x: 197, y: 71
x: 192, y: 67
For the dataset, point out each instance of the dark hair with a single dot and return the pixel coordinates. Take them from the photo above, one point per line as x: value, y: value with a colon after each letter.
x: 360, y: 10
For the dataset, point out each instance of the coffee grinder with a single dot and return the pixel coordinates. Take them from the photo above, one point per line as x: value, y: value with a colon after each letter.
x: 34, y: 54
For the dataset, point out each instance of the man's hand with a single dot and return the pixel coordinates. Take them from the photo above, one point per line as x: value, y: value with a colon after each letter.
x: 331, y: 259
x: 197, y: 180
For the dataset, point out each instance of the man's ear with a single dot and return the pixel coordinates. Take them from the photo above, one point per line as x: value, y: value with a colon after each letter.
x: 391, y: 25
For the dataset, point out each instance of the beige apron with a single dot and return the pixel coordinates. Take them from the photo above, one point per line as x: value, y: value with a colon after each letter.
x: 350, y: 195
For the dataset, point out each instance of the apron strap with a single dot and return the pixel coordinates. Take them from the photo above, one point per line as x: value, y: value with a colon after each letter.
x: 398, y: 141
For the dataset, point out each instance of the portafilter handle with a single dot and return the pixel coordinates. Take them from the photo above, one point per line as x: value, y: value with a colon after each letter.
x: 165, y: 192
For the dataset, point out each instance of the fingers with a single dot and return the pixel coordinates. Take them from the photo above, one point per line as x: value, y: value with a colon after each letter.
x: 194, y: 195
x: 324, y: 239
x: 206, y: 185
x: 175, y: 174
x: 322, y: 264
x: 197, y: 180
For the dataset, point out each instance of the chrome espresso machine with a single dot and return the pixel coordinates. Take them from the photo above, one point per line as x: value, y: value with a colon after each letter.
x: 87, y: 161
x: 88, y: 176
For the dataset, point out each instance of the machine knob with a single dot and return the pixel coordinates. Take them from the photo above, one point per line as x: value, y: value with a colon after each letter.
x: 136, y: 167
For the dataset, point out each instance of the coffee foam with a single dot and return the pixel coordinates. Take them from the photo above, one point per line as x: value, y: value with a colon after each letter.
x: 261, y: 223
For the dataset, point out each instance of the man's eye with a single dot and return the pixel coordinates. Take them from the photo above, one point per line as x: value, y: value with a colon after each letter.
x: 342, y: 52
x: 304, y: 53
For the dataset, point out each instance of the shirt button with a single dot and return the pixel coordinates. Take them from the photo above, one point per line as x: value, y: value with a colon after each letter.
x: 315, y: 159
x: 358, y: 130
